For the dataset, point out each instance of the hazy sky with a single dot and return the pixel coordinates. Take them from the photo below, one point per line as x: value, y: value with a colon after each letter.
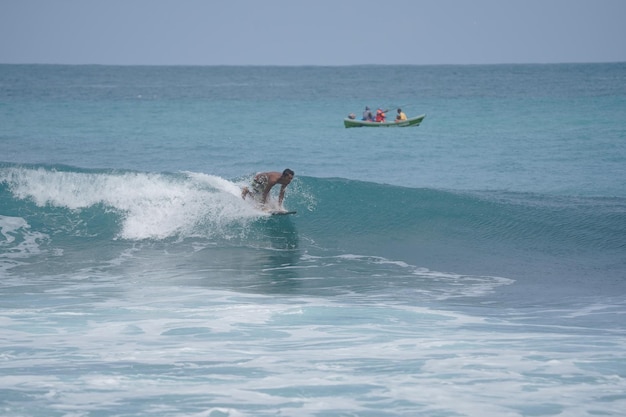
x: 319, y: 32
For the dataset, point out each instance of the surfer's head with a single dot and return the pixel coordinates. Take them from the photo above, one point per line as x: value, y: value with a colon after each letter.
x: 288, y: 173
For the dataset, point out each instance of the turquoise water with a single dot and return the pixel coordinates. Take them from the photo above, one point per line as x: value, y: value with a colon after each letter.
x: 474, y: 265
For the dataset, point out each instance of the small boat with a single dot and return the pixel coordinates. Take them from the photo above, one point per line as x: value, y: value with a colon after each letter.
x: 413, y: 121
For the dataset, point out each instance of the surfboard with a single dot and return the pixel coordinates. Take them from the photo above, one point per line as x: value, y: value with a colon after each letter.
x: 281, y: 212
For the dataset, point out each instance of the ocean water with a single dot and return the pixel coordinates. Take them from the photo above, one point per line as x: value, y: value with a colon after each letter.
x: 472, y: 266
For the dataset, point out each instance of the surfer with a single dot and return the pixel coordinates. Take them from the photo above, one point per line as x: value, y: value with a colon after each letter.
x: 263, y: 182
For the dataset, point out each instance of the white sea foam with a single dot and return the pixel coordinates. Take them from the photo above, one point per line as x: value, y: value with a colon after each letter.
x: 435, y: 284
x: 19, y: 241
x: 150, y: 205
x: 248, y: 354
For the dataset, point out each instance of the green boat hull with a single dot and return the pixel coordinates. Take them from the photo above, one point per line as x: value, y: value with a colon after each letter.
x: 413, y: 121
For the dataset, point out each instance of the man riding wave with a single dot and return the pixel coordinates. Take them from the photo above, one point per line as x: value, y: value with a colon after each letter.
x: 263, y: 182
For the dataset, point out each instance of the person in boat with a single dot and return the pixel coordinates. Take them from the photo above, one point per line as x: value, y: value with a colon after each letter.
x: 380, y: 115
x: 367, y: 115
x: 263, y: 182
x: 401, y: 116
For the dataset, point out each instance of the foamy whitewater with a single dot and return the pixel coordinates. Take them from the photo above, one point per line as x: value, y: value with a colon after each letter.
x: 472, y: 266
